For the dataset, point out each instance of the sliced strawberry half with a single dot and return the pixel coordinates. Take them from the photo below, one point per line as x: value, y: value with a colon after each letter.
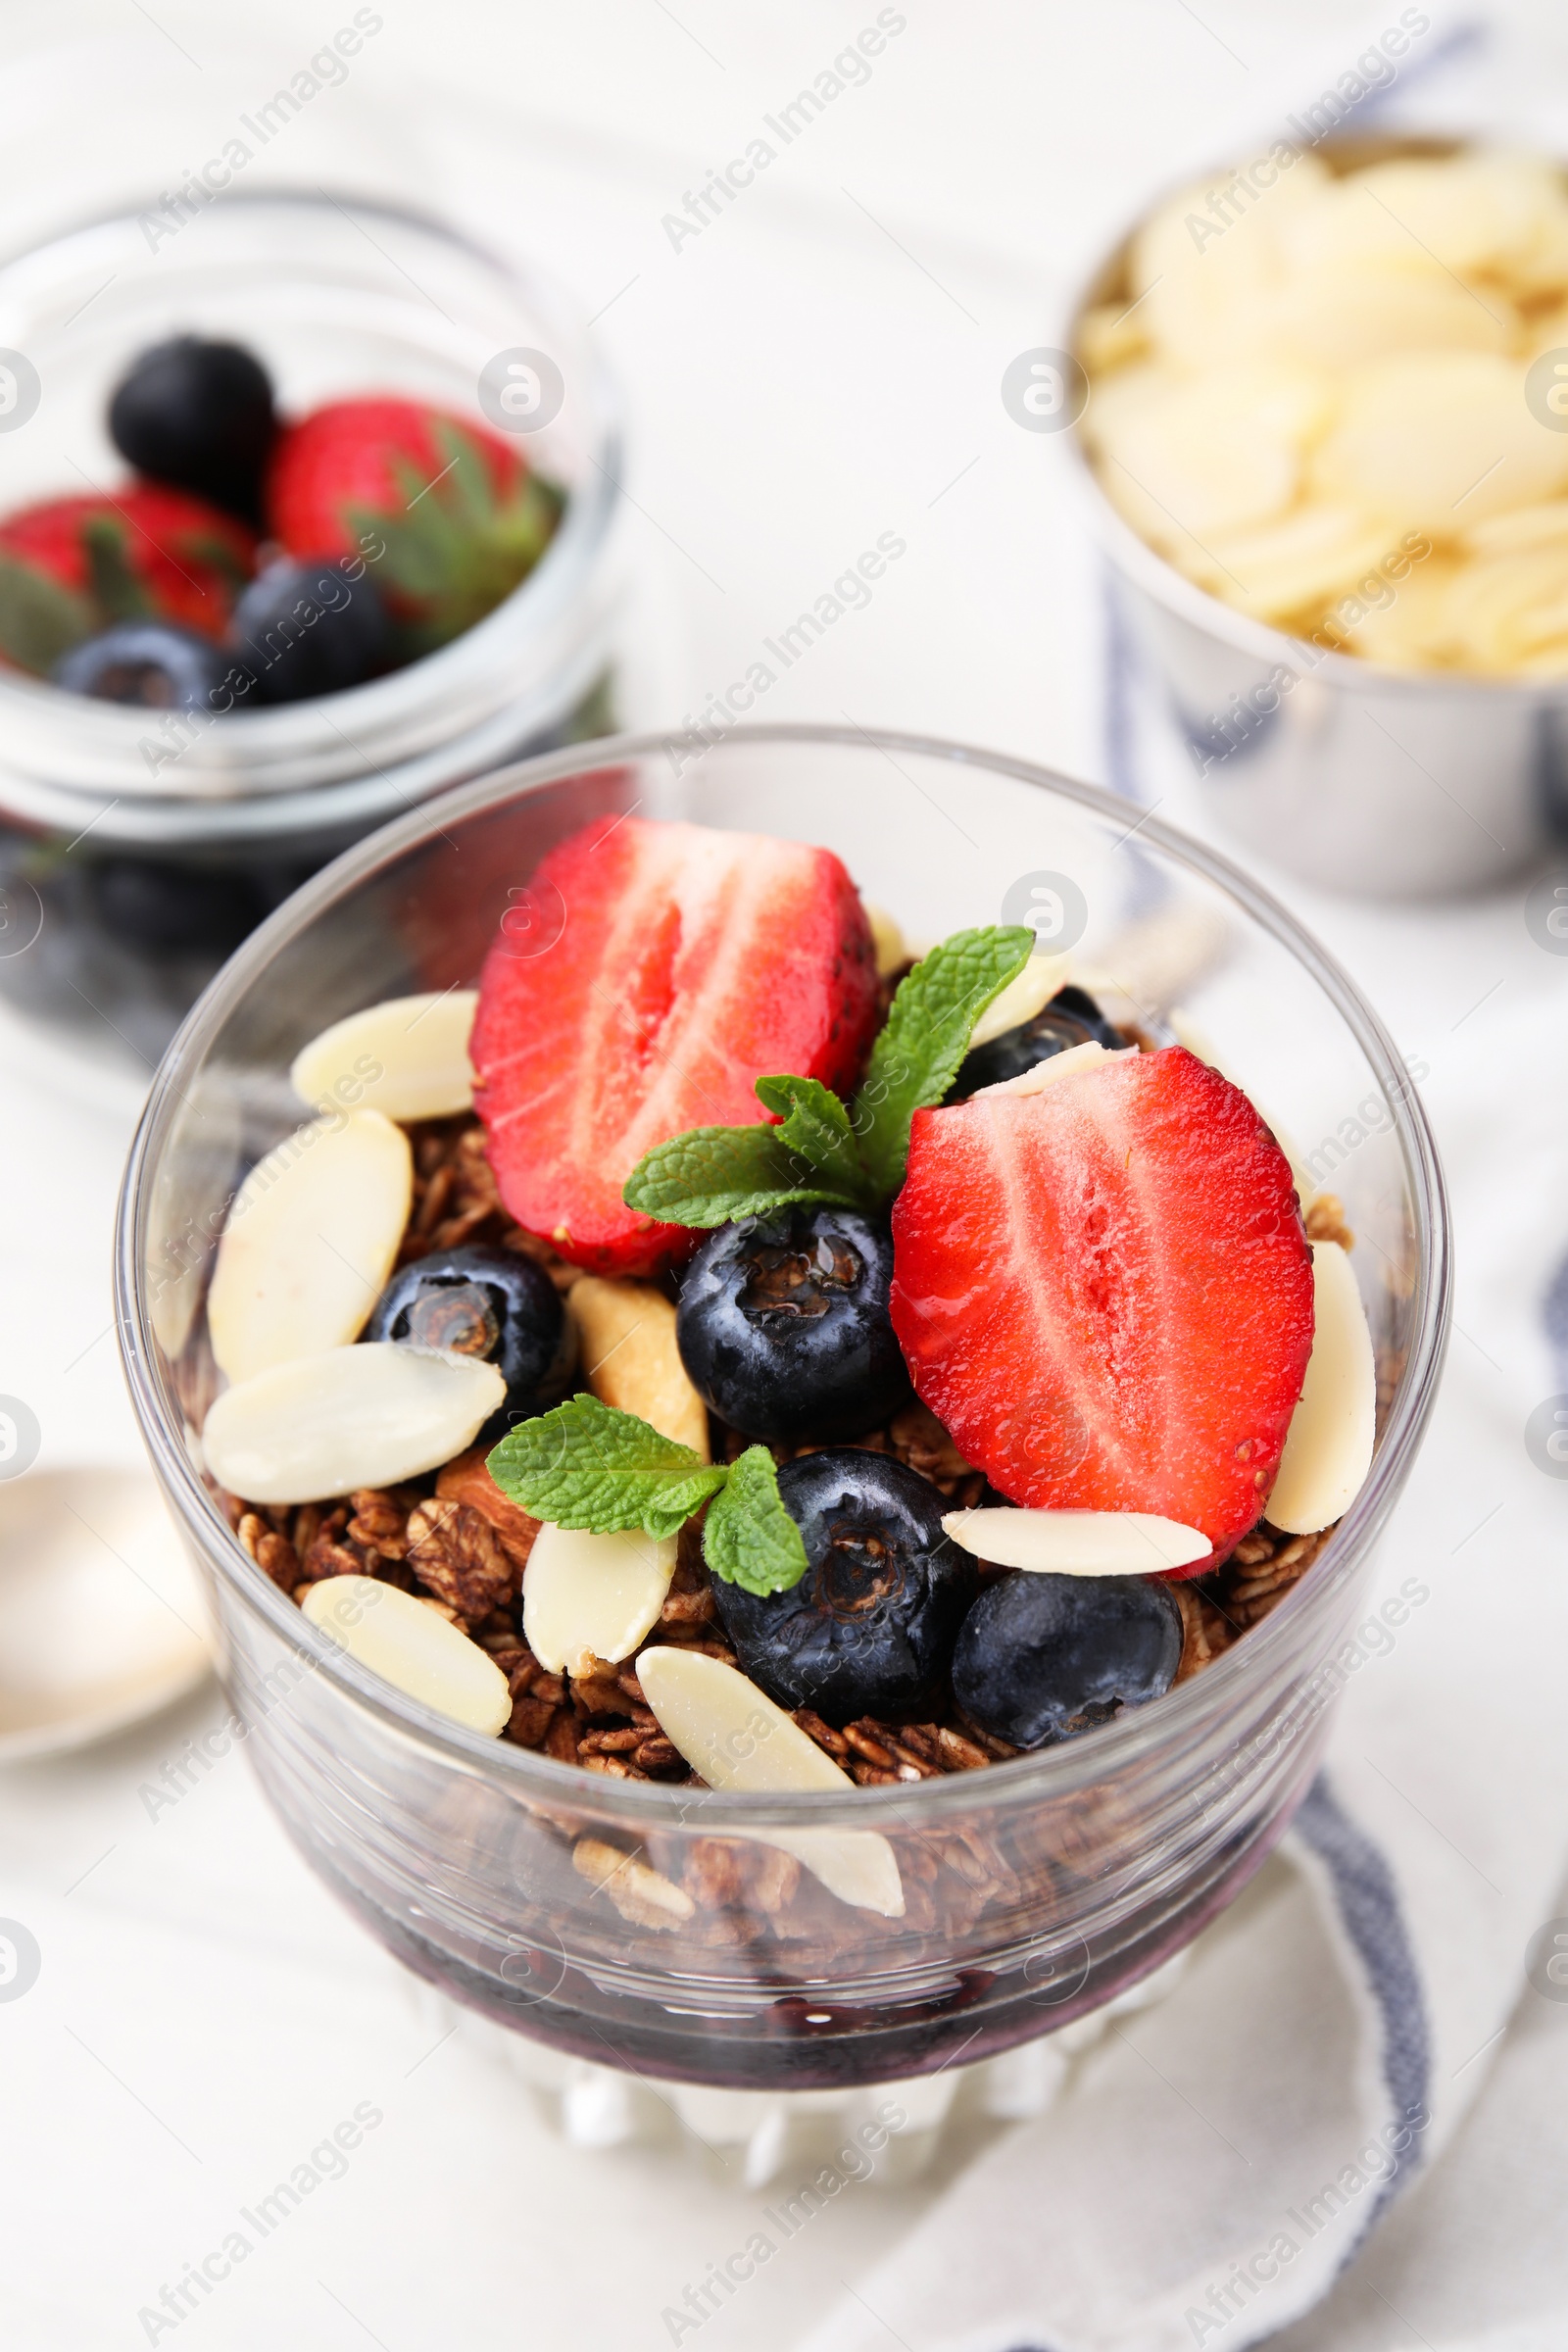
x: 1104, y: 1291
x: 681, y: 965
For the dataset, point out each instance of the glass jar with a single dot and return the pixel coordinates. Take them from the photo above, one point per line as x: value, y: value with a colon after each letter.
x: 1036, y: 1891
x: 137, y: 849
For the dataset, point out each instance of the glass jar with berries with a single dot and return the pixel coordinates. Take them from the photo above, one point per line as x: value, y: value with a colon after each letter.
x: 308, y: 509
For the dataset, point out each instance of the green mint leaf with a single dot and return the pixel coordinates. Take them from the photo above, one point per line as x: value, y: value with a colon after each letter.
x: 713, y: 1175
x: 586, y: 1465
x: 816, y: 1126
x: 926, y: 1036
x: 748, y: 1538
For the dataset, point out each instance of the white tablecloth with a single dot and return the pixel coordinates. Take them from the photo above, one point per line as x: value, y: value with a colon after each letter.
x: 819, y: 364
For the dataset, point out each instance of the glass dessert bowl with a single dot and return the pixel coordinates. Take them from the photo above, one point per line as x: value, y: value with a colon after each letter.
x: 663, y: 1927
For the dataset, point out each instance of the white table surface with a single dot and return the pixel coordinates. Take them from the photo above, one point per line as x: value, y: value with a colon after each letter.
x: 821, y: 365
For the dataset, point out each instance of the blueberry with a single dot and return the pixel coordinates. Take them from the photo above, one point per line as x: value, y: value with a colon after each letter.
x: 146, y: 663
x: 161, y: 908
x: 198, y: 415
x: 487, y: 1303
x: 1071, y: 1018
x: 1044, y: 1657
x: 309, y: 628
x: 869, y: 1628
x: 783, y: 1325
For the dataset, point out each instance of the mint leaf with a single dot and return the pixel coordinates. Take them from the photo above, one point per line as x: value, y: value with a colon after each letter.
x: 748, y: 1538
x: 917, y: 1057
x: 586, y: 1465
x: 712, y: 1175
x: 816, y: 1126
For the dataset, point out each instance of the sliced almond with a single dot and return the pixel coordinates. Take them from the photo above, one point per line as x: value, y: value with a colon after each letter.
x: 352, y: 1417
x: 1078, y: 1542
x: 1046, y: 1073
x: 1030, y: 992
x: 641, y: 1895
x: 407, y: 1057
x: 590, y: 1597
x: 1328, y: 1449
x: 412, y: 1647
x: 886, y: 938
x: 1421, y: 437
x: 733, y: 1735
x: 630, y: 1359
x: 310, y: 1241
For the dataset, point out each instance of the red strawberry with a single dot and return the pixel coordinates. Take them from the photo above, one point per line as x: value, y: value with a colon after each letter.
x: 680, y: 964
x: 449, y: 514
x: 75, y: 566
x: 1104, y: 1291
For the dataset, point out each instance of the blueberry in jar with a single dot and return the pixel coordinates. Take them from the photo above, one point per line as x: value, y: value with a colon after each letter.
x: 198, y: 415
x: 783, y: 1325
x: 492, y: 1303
x: 148, y: 664
x: 1071, y: 1018
x: 869, y: 1629
x: 304, y: 629
x: 1042, y: 1657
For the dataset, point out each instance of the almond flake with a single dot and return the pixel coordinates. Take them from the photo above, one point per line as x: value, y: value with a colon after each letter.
x: 887, y: 939
x: 1328, y: 1447
x: 630, y: 1359
x: 413, y: 1647
x: 642, y: 1895
x: 353, y: 1417
x: 1078, y: 1542
x: 310, y: 1241
x: 1087, y: 1056
x: 588, y: 1595
x: 407, y: 1057
x: 733, y: 1735
x: 1022, y: 997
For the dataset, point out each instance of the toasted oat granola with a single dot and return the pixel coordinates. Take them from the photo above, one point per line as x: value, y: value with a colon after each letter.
x: 457, y: 1543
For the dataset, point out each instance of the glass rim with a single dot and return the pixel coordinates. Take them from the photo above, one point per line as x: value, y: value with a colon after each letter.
x: 1048, y: 1773
x: 527, y: 613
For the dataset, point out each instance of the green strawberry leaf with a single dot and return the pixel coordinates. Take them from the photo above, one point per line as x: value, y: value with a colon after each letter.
x: 713, y: 1175
x: 115, y: 589
x: 926, y: 1036
x: 39, y: 620
x: 748, y: 1538
x: 585, y: 1465
x: 453, y: 553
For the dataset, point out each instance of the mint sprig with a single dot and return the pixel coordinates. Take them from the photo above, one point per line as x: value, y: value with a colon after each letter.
x: 748, y: 1538
x: 821, y: 1149
x: 926, y: 1035
x: 586, y: 1465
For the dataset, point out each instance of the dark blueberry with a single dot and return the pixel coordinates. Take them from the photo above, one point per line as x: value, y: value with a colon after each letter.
x: 783, y: 1325
x: 1042, y: 1657
x: 174, y: 909
x: 489, y: 1302
x: 311, y: 628
x: 146, y: 663
x: 1071, y: 1018
x: 869, y: 1628
x: 198, y: 415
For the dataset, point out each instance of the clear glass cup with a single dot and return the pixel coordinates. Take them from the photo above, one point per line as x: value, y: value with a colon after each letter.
x: 1035, y: 1891
x: 136, y: 851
